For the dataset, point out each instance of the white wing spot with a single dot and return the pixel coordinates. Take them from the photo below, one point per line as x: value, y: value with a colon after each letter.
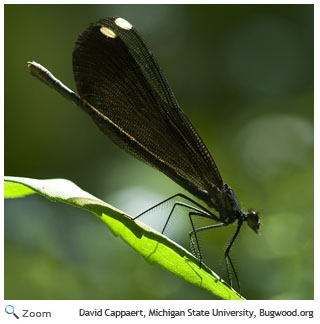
x: 108, y: 32
x: 122, y: 23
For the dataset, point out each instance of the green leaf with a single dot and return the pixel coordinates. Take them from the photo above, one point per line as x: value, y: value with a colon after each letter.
x: 153, y: 246
x: 14, y: 190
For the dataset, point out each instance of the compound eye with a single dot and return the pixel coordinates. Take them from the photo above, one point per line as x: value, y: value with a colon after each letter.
x: 253, y: 220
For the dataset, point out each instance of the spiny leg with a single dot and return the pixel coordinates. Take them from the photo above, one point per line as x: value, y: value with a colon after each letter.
x: 172, y: 197
x: 195, y: 231
x: 228, y: 259
x: 199, y: 211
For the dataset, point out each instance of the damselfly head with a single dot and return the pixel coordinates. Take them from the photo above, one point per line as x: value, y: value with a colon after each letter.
x: 253, y: 220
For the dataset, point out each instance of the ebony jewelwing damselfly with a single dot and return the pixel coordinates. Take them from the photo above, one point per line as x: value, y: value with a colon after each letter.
x: 122, y: 88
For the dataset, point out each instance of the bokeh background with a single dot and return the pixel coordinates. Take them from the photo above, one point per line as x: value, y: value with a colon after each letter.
x: 244, y: 76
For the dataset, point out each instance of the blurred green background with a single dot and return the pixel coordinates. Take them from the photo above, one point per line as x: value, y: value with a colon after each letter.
x: 244, y: 76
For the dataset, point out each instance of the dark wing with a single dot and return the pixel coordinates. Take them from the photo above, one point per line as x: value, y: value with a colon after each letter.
x: 116, y: 73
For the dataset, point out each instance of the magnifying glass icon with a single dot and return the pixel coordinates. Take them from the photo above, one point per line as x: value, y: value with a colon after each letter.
x: 10, y: 310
